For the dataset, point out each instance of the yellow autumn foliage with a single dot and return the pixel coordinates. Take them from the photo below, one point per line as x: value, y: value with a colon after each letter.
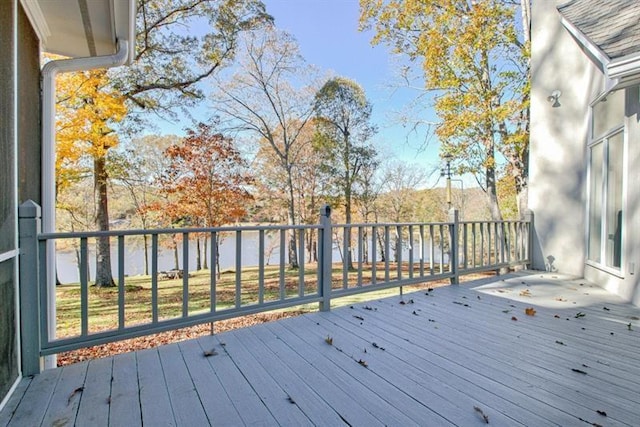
x: 86, y: 109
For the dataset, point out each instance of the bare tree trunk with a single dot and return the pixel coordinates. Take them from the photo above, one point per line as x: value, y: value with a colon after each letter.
x: 198, y: 259
x: 103, y: 247
x: 176, y: 257
x: 293, y: 252
x: 145, y: 239
x: 205, y: 264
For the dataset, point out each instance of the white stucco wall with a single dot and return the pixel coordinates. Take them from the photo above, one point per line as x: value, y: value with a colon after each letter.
x: 557, y: 191
x: 559, y: 156
x: 625, y: 283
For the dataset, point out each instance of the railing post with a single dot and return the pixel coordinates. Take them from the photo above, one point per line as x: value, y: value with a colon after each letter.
x: 454, y: 219
x: 29, y: 215
x: 529, y: 217
x: 325, y: 258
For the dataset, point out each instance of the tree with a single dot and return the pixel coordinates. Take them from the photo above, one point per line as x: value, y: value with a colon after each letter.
x: 208, y: 179
x: 87, y: 109
x: 170, y: 62
x: 477, y: 67
x: 401, y: 183
x: 165, y: 73
x: 137, y: 167
x: 342, y: 114
x: 260, y: 99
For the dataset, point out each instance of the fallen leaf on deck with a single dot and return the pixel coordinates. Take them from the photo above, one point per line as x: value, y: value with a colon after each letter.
x: 375, y: 345
x: 363, y: 363
x: 634, y: 318
x: 73, y: 393
x: 579, y: 314
x: 604, y: 414
x: 366, y: 307
x: 606, y: 308
x: 290, y: 399
x: 359, y: 317
x: 402, y: 303
x: 556, y: 316
x: 579, y: 371
x: 484, y: 416
x: 525, y: 293
x: 506, y: 311
x: 560, y: 342
x: 530, y: 311
x: 328, y: 340
x: 514, y: 318
x: 414, y: 313
x: 629, y: 326
x: 209, y: 353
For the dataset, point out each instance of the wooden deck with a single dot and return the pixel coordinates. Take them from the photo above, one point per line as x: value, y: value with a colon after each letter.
x: 439, y: 358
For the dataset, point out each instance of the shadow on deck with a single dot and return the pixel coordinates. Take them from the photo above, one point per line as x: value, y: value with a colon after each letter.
x: 452, y: 356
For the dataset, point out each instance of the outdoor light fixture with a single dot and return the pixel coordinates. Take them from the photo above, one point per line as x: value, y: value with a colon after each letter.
x: 555, y: 95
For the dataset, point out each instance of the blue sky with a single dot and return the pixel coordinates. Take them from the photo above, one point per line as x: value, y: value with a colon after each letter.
x: 328, y: 36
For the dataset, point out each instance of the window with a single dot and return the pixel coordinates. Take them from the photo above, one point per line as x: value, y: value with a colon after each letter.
x: 606, y: 163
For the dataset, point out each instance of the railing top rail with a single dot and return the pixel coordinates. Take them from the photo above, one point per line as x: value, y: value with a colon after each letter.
x: 391, y: 224
x: 152, y: 231
x: 504, y: 221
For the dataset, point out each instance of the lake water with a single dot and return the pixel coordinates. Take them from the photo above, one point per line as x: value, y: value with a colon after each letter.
x: 67, y: 265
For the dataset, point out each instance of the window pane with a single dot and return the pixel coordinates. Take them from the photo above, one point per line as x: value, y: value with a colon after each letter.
x: 614, y: 201
x: 608, y: 114
x: 595, y: 203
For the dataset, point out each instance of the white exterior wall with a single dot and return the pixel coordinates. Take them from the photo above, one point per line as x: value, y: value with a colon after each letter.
x: 625, y: 283
x: 559, y: 157
x: 558, y: 154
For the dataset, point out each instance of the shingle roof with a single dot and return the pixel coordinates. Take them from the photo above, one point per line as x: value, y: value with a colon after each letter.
x: 612, y: 25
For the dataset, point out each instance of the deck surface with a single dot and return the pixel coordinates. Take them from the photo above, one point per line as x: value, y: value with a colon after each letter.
x: 451, y: 356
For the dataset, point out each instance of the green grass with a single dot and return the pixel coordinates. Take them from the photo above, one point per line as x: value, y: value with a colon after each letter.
x: 103, y: 302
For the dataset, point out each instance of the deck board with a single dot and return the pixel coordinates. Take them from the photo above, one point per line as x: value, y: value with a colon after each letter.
x: 437, y: 355
x: 155, y: 403
x: 510, y: 367
x: 182, y: 392
x: 94, y: 399
x: 213, y: 396
x: 33, y: 405
x: 124, y: 402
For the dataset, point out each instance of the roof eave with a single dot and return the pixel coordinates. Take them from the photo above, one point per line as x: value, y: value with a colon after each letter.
x: 586, y: 42
x: 625, y: 69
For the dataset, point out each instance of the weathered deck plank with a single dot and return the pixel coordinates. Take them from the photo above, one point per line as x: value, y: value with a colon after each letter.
x: 435, y: 358
x: 213, y: 396
x: 184, y: 399
x: 94, y: 399
x: 124, y: 408
x: 155, y: 403
x: 33, y: 405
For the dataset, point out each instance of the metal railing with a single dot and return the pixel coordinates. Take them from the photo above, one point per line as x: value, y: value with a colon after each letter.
x: 333, y: 260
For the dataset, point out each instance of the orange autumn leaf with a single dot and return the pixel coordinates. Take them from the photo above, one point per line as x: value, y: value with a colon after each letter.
x: 530, y: 311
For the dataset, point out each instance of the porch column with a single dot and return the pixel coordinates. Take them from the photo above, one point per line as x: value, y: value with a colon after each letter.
x: 29, y: 215
x: 325, y: 259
